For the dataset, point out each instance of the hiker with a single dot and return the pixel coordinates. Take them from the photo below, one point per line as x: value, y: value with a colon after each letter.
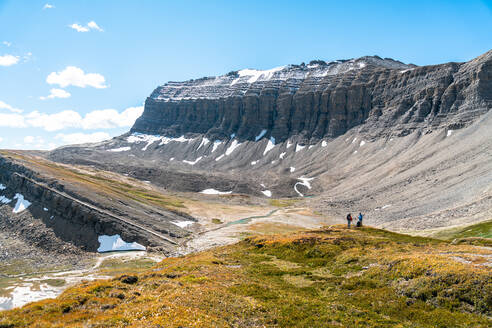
x: 359, y: 220
x: 349, y: 220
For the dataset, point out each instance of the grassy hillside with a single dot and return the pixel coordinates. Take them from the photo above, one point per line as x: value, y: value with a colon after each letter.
x: 480, y: 234
x: 331, y: 277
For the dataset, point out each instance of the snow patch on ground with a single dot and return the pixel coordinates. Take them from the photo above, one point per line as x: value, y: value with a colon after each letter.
x: 324, y: 143
x: 232, y: 147
x: 193, y: 162
x: 115, y: 243
x: 25, y: 294
x: 310, y: 146
x: 215, y: 192
x: 204, y: 142
x: 150, y: 139
x: 362, y: 143
x: 304, y: 182
x: 262, y: 133
x: 217, y: 143
x: 21, y: 204
x: 269, y: 146
x: 450, y: 132
x: 299, y: 147
x: 219, y: 158
x: 116, y: 150
x: 292, y: 169
x: 182, y: 224
x: 2, y: 187
x: 289, y: 144
x: 282, y: 155
x: 267, y: 193
x: 254, y: 162
x: 355, y: 139
x: 385, y: 206
x: 45, y: 209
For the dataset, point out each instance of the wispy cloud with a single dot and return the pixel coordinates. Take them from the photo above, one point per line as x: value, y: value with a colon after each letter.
x: 79, y: 138
x: 75, y: 76
x: 90, y: 26
x: 8, y: 60
x: 4, y: 105
x: 6, y: 43
x: 48, y: 6
x: 56, y: 93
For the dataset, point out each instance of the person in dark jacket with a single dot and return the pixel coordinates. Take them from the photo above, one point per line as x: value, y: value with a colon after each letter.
x: 349, y: 220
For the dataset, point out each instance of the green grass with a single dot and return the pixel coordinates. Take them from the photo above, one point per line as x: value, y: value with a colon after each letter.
x: 477, y: 234
x: 282, y: 202
x: 325, y: 278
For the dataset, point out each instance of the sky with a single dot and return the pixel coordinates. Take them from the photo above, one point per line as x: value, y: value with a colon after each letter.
x: 80, y: 71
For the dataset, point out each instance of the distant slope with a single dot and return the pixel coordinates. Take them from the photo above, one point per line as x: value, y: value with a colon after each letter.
x: 331, y: 277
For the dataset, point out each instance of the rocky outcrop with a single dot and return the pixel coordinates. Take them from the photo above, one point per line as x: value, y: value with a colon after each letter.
x: 322, y: 100
x: 57, y: 215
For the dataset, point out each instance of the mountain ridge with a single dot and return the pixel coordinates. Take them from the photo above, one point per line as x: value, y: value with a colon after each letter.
x: 316, y: 101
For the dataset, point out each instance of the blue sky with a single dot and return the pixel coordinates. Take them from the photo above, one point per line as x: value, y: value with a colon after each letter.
x: 74, y: 71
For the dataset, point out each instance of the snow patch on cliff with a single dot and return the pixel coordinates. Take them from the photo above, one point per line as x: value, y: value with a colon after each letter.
x: 262, y: 133
x: 21, y: 204
x: 115, y: 243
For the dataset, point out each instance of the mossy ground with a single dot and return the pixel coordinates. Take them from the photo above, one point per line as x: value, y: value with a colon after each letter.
x: 481, y: 230
x: 325, y: 278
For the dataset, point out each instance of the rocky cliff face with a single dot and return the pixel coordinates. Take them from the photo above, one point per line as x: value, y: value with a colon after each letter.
x: 322, y: 100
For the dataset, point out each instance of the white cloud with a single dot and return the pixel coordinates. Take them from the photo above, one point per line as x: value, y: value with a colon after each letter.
x: 97, y: 119
x: 8, y: 44
x: 54, y: 122
x: 10, y: 108
x: 1, y: 139
x: 110, y: 118
x: 90, y: 26
x: 72, y: 75
x: 12, y: 121
x: 48, y: 6
x: 79, y: 28
x: 94, y: 26
x: 78, y: 138
x: 56, y: 93
x: 8, y: 60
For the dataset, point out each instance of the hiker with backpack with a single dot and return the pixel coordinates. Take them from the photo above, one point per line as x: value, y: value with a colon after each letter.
x: 349, y: 220
x: 359, y: 220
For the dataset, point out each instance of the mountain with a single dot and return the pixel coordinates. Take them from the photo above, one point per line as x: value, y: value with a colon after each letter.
x: 408, y: 145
